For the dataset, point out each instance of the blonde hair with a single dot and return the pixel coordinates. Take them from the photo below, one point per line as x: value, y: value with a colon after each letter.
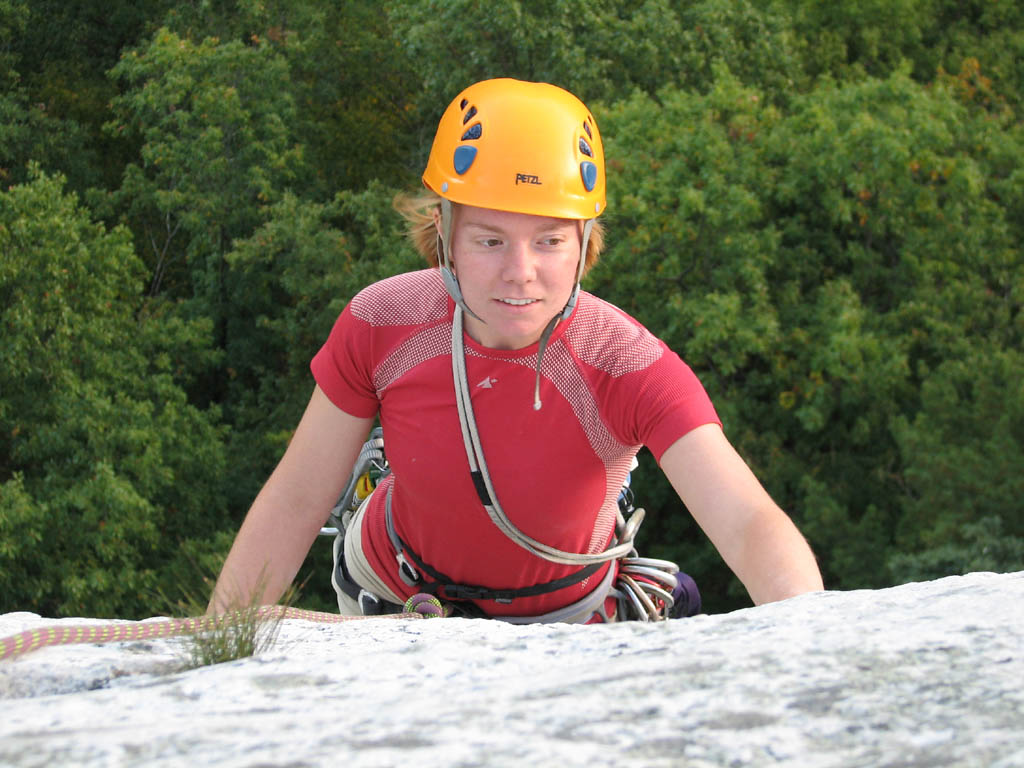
x: 418, y: 211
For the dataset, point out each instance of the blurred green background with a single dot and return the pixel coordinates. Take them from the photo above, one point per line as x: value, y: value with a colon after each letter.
x: 819, y: 205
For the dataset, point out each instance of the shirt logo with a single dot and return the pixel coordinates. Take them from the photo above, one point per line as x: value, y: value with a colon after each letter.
x: 527, y: 178
x: 487, y: 383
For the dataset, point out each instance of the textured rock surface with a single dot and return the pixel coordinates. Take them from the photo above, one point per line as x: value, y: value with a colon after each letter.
x: 918, y: 675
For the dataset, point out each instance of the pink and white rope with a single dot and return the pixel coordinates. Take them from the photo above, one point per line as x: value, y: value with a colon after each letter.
x: 41, y: 637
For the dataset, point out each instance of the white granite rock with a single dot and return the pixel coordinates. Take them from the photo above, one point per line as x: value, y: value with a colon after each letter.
x: 918, y: 675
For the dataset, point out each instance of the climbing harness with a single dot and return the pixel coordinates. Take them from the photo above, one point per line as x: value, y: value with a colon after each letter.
x: 645, y: 589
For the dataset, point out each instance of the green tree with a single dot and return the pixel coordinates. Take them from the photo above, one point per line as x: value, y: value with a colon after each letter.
x: 599, y: 50
x: 292, y: 278
x: 861, y: 38
x: 688, y: 225
x: 105, y: 469
x: 355, y: 87
x: 884, y: 193
x: 349, y: 78
x: 983, y: 44
x: 962, y: 454
x: 602, y: 51
x: 26, y: 127
x: 816, y: 267
x: 213, y: 118
x: 754, y: 41
x: 64, y: 51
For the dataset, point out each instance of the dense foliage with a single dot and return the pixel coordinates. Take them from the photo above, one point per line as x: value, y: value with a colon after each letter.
x: 819, y: 206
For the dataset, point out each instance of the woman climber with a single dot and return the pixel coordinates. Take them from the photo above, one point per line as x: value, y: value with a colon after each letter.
x: 512, y: 404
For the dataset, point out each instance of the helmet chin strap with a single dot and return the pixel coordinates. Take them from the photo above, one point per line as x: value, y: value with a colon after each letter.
x: 566, y: 311
x: 622, y: 545
x: 444, y: 250
x: 451, y: 284
x: 588, y: 225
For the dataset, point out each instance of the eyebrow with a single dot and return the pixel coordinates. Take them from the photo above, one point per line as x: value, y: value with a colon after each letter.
x: 482, y: 227
x: 551, y: 226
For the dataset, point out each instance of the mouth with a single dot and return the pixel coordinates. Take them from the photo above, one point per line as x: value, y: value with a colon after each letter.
x: 518, y: 302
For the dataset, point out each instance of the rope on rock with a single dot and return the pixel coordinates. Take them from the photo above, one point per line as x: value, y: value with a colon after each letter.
x: 112, y: 632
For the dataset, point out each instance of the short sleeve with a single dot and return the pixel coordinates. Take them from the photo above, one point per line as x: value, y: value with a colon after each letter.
x: 669, y: 402
x: 343, y: 368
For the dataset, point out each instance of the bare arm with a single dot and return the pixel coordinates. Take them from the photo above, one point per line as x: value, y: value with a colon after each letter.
x: 756, y: 538
x: 288, y: 512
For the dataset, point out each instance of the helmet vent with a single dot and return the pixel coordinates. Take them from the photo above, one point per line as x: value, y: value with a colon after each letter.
x: 588, y: 172
x: 586, y: 127
x: 475, y: 131
x: 469, y: 115
x: 464, y: 157
x: 584, y: 147
x: 463, y: 103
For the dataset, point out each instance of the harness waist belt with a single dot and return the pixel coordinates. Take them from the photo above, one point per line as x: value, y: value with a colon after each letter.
x: 456, y: 591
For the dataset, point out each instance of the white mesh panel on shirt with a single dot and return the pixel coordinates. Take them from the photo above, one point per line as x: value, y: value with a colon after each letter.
x: 603, y: 338
x: 423, y: 299
x: 433, y: 341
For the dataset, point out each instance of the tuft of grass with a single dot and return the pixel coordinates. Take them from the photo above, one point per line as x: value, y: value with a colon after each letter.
x: 241, y: 631
x: 233, y: 635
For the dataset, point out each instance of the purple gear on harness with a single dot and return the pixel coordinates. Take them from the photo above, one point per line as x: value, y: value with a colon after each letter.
x: 686, y: 597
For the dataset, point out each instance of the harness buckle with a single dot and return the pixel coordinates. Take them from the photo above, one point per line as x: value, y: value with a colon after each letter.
x: 406, y: 571
x: 467, y: 592
x: 370, y: 604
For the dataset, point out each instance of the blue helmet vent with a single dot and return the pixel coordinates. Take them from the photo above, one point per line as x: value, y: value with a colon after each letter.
x: 463, y: 103
x: 474, y: 132
x: 464, y: 157
x: 585, y: 148
x: 588, y: 172
x: 586, y: 127
x: 469, y: 115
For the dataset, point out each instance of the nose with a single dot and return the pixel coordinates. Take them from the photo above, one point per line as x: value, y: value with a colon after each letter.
x: 520, y: 263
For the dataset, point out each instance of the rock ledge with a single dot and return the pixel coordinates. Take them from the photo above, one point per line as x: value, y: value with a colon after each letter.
x: 918, y: 675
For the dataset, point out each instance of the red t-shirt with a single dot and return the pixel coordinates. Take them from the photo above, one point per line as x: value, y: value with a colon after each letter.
x: 608, y: 386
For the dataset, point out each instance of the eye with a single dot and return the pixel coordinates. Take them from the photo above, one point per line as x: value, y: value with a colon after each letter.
x: 490, y: 242
x: 552, y: 241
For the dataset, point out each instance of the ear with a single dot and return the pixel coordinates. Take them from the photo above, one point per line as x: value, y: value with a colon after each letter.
x: 439, y: 227
x: 439, y: 241
x: 437, y: 219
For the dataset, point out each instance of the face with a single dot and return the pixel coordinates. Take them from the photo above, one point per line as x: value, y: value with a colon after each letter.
x: 516, y: 272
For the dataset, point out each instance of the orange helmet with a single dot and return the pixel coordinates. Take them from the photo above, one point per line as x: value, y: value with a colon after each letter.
x: 517, y: 146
